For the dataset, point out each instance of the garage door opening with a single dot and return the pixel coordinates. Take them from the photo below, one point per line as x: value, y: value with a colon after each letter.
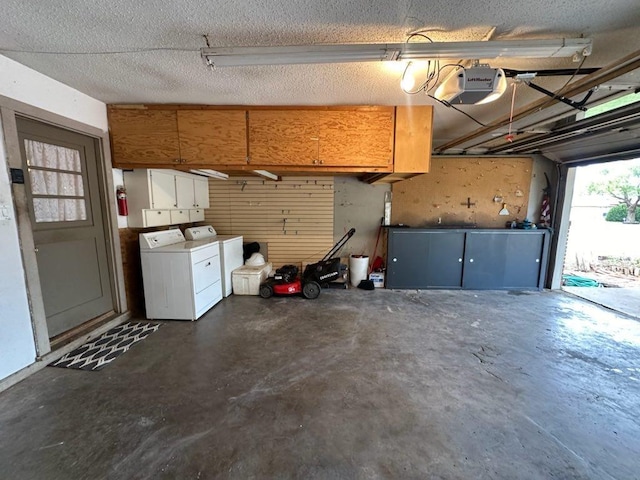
x: 602, y: 260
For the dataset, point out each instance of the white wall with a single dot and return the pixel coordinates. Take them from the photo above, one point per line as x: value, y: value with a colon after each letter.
x: 17, y: 346
x: 28, y: 86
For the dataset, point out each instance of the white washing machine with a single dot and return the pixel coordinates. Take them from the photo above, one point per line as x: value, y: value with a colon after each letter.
x: 230, y: 251
x: 181, y: 279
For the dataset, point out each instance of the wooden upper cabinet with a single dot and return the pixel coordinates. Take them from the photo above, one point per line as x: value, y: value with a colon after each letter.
x: 354, y: 137
x: 213, y: 137
x: 283, y: 137
x: 413, y: 139
x: 358, y: 138
x: 144, y: 137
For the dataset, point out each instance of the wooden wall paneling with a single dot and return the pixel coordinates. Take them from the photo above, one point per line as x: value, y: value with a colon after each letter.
x: 413, y: 139
x: 141, y: 138
x: 293, y: 216
x: 213, y: 137
x: 443, y: 193
x: 130, y: 247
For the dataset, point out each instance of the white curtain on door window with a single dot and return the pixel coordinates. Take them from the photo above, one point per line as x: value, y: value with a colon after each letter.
x: 59, y: 209
x: 52, y: 156
x: 55, y: 183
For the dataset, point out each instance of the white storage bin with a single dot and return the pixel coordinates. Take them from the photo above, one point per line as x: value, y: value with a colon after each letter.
x: 246, y: 280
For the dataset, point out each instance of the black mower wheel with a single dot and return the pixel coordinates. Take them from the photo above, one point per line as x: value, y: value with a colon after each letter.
x: 266, y: 290
x: 311, y: 290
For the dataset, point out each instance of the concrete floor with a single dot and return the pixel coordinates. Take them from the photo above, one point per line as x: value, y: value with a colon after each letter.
x: 625, y: 300
x: 355, y: 384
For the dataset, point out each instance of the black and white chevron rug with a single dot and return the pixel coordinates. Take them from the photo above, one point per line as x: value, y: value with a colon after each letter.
x: 98, y: 353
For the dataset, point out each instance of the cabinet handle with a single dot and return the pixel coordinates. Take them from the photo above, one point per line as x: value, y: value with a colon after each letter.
x: 176, y: 160
x: 459, y: 260
x: 159, y: 213
x: 471, y: 260
x: 395, y: 259
x: 207, y: 264
x: 537, y: 260
x: 175, y: 204
x: 321, y: 162
x: 315, y: 162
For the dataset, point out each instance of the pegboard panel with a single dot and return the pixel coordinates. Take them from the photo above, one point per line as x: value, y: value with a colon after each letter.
x: 294, y: 216
x: 462, y: 190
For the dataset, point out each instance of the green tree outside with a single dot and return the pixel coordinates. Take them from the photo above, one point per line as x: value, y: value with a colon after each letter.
x: 625, y: 188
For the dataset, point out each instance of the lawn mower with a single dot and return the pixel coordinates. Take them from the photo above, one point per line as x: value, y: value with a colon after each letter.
x: 286, y: 280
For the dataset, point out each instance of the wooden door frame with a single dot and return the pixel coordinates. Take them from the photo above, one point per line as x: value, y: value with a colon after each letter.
x: 9, y: 109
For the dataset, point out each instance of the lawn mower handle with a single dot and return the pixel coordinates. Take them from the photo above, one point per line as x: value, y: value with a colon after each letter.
x: 339, y: 245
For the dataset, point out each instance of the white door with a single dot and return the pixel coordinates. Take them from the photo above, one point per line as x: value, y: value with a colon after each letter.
x: 201, y: 186
x: 184, y: 192
x: 163, y: 189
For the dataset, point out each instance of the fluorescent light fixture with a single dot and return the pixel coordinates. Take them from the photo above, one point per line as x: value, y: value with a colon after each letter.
x: 266, y: 174
x: 472, y: 86
x: 378, y: 52
x: 211, y: 173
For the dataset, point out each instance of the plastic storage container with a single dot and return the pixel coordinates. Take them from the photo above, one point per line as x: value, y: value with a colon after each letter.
x: 246, y: 280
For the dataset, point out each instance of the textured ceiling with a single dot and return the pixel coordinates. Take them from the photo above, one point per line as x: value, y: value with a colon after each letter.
x: 176, y: 74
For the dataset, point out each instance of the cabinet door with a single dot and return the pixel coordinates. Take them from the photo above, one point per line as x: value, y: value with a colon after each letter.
x: 155, y: 218
x: 356, y: 138
x: 142, y: 138
x: 201, y: 187
x: 163, y: 189
x: 445, y: 252
x: 407, y: 259
x: 185, y: 196
x: 412, y: 152
x: 523, y: 260
x: 213, y: 137
x: 484, y: 260
x: 283, y: 137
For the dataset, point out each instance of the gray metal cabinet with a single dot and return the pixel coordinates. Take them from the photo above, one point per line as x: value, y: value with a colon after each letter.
x: 425, y: 259
x: 503, y: 260
x: 407, y: 259
x: 472, y: 259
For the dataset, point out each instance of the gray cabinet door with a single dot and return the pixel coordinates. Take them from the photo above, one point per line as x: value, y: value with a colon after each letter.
x: 484, y: 260
x: 407, y: 259
x: 503, y: 260
x: 523, y: 260
x: 445, y: 252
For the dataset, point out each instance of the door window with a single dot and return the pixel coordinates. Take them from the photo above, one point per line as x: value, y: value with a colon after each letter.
x: 57, y: 183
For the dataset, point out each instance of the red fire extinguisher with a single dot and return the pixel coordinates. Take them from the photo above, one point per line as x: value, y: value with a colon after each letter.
x: 121, y: 196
